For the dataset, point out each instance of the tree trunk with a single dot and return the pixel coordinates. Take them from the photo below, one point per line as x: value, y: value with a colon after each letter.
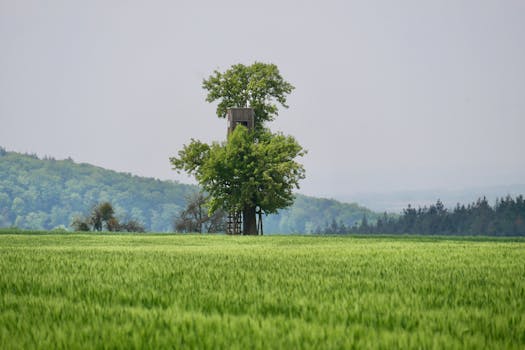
x: 249, y: 220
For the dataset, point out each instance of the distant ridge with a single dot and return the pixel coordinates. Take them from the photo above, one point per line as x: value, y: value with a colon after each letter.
x: 396, y: 201
x: 45, y: 193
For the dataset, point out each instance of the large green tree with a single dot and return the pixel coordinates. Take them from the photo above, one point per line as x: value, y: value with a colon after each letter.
x: 247, y: 173
x: 254, y: 171
x: 259, y: 86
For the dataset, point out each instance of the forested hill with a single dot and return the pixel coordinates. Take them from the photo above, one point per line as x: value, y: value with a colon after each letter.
x: 47, y: 193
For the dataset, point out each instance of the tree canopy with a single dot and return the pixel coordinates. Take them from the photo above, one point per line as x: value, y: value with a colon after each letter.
x: 259, y: 86
x: 242, y: 173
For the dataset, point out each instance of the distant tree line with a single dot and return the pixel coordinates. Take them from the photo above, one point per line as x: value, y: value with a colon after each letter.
x: 505, y: 218
x: 102, y: 218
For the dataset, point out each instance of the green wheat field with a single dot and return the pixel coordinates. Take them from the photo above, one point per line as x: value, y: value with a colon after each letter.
x: 67, y: 291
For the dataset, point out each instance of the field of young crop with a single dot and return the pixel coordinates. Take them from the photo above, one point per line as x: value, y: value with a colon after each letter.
x: 174, y: 291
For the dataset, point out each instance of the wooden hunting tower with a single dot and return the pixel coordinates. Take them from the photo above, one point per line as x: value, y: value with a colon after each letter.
x: 240, y: 116
x: 245, y: 117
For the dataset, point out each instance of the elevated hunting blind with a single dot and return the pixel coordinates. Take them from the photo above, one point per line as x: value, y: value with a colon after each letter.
x: 245, y: 117
x: 240, y: 116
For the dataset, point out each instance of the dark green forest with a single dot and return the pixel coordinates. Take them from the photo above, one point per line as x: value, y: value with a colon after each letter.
x: 48, y: 194
x: 505, y: 218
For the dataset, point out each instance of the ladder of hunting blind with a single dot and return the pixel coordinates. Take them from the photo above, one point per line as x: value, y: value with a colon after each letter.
x: 234, y: 224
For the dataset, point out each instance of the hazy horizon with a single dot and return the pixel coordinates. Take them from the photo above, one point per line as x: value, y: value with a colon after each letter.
x: 389, y: 96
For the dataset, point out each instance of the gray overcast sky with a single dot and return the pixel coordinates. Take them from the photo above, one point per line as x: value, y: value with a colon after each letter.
x: 390, y: 95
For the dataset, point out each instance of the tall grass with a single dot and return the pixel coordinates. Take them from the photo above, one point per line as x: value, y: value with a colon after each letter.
x: 141, y: 291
